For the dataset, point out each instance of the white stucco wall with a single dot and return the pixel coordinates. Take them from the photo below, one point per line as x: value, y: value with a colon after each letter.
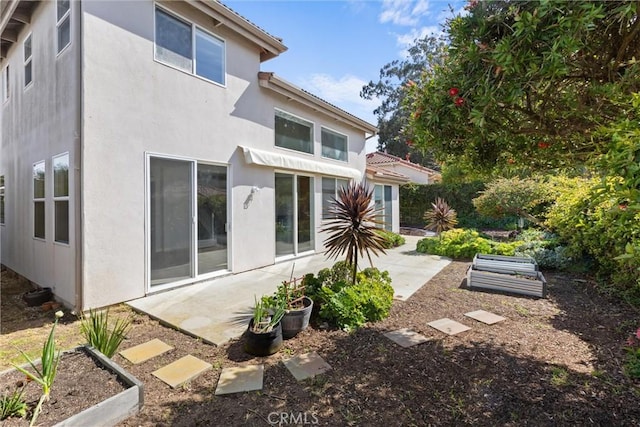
x: 415, y: 175
x: 37, y: 124
x: 134, y: 105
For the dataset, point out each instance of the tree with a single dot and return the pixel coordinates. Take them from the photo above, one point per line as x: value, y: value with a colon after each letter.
x: 354, y: 228
x: 392, y: 114
x: 528, y: 83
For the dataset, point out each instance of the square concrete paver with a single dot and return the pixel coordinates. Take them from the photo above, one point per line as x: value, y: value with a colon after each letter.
x: 485, y: 317
x: 406, y: 337
x: 182, y: 370
x: 145, y: 351
x: 306, y: 365
x: 240, y: 379
x: 448, y: 326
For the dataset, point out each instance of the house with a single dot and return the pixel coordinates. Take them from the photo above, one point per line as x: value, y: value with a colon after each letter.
x: 386, y: 173
x: 143, y: 148
x: 416, y: 173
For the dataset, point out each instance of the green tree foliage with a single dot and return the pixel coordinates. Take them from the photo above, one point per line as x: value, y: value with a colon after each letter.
x: 526, y: 198
x: 528, y: 83
x: 392, y: 115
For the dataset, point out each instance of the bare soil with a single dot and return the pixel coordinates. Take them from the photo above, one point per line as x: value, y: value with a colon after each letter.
x: 554, y: 361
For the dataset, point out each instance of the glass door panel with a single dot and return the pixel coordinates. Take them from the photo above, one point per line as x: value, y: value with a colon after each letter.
x: 388, y: 212
x: 212, y: 218
x: 171, y: 220
x: 284, y: 214
x: 305, y: 214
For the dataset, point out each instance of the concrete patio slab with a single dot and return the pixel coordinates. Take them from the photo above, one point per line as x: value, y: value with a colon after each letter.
x: 143, y: 352
x: 448, y: 326
x: 182, y: 370
x: 240, y: 379
x: 219, y: 309
x: 406, y: 337
x: 485, y: 317
x: 306, y: 366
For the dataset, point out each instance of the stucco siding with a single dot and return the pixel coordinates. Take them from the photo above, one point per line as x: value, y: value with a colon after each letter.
x: 40, y: 122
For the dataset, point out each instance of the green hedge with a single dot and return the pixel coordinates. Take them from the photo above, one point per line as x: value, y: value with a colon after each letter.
x: 415, y: 200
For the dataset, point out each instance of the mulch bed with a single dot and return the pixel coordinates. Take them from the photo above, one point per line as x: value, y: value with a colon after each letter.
x: 554, y: 361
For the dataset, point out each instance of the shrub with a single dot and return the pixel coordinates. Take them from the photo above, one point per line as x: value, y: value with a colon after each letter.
x: 96, y: 330
x: 346, y: 305
x: 391, y: 239
x: 464, y: 244
x: 545, y: 248
x: 441, y: 217
x: 526, y: 198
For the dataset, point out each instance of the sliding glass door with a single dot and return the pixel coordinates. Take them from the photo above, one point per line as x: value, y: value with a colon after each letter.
x: 187, y: 220
x: 294, y: 214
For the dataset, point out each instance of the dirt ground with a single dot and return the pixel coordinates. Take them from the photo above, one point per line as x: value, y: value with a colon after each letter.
x: 554, y: 361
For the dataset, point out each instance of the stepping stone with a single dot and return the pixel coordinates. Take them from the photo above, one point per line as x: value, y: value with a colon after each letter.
x: 485, y: 317
x: 406, y: 337
x: 146, y: 351
x: 182, y: 370
x: 448, y: 326
x: 306, y: 365
x: 240, y: 379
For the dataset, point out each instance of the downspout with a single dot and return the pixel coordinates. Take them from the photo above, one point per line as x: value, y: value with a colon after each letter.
x: 79, y: 208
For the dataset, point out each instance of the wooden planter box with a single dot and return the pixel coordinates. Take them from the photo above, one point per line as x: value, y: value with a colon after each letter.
x: 524, y: 283
x: 504, y: 264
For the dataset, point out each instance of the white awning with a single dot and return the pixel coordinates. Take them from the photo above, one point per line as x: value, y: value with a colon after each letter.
x: 282, y: 161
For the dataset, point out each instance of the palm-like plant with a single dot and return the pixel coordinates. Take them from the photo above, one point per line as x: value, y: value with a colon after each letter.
x: 353, y: 229
x: 441, y: 218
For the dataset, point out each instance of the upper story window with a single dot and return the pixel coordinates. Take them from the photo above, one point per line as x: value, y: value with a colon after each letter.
x: 293, y: 132
x: 28, y: 62
x: 189, y: 48
x: 5, y: 84
x: 334, y: 145
x: 63, y: 23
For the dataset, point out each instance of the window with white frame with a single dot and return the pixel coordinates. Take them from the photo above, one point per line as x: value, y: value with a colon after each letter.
x: 334, y: 145
x: 5, y: 84
x: 330, y: 187
x: 293, y: 132
x: 39, y: 175
x: 63, y: 23
x: 61, y: 197
x: 188, y: 47
x: 1, y: 199
x: 28, y: 61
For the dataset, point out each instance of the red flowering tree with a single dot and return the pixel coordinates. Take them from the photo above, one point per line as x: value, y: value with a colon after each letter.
x: 527, y: 84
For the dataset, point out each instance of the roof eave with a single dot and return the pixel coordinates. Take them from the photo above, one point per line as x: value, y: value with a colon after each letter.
x: 291, y: 92
x: 270, y: 46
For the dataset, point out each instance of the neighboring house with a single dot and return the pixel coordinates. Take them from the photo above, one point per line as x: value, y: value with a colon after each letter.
x: 416, y: 173
x: 143, y: 149
x: 387, y: 172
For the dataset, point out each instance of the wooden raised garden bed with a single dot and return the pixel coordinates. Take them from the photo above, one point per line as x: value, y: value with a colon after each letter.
x: 518, y: 275
x: 502, y: 263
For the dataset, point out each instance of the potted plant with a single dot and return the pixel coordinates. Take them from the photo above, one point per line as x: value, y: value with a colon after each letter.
x: 264, y: 334
x: 298, y: 306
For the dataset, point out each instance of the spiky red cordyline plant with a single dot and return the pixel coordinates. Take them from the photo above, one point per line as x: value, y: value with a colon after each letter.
x: 353, y: 228
x: 442, y: 217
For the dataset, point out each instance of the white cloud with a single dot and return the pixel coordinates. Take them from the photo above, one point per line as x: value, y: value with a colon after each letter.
x: 403, y: 12
x: 343, y: 92
x: 405, y: 41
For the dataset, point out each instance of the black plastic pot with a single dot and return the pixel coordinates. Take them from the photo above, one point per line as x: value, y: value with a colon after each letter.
x: 37, y: 296
x: 295, y: 321
x: 264, y: 344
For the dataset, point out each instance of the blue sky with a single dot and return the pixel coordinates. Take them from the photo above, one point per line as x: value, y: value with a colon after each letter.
x: 338, y: 46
